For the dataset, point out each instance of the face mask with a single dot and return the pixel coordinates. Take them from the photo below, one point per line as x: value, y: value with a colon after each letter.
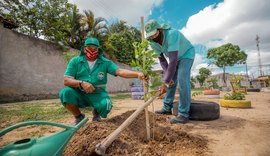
x: 90, y: 55
x: 159, y: 38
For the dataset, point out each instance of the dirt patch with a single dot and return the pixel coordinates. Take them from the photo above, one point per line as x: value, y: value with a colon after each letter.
x: 132, y: 141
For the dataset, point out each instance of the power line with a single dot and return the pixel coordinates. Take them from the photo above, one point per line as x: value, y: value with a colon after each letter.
x: 97, y: 5
x: 106, y: 9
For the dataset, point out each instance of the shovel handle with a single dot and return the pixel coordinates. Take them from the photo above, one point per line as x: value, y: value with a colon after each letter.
x: 28, y: 123
x: 101, y: 147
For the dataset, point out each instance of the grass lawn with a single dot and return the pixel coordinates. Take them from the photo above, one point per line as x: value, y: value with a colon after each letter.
x: 48, y: 110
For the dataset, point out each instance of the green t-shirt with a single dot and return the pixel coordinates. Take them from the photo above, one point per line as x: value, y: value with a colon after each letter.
x: 78, y: 69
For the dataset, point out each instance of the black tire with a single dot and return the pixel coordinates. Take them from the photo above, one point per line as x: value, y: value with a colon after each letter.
x: 253, y: 89
x: 202, y: 110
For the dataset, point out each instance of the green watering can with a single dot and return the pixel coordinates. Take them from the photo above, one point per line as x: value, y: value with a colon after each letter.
x: 52, y: 145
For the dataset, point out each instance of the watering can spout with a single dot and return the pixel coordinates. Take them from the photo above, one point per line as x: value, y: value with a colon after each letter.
x: 45, y: 146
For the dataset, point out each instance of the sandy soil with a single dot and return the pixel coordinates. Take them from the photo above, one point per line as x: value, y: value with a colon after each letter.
x: 132, y: 141
x: 239, y: 132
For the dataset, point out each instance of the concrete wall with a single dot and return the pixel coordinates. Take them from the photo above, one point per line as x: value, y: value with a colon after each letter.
x: 31, y: 68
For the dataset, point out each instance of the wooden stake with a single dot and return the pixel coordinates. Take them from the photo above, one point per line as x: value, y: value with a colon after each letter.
x: 154, y: 121
x: 145, y: 86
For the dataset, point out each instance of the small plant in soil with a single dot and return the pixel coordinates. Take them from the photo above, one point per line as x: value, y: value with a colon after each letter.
x: 236, y: 94
x: 211, y: 83
x: 196, y: 93
x: 144, y: 61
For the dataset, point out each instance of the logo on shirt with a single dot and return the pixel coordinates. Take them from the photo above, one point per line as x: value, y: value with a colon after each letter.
x: 100, y: 75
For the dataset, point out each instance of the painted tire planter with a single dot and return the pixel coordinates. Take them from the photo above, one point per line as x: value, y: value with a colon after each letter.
x: 211, y: 92
x: 201, y: 110
x: 137, y: 95
x: 235, y: 103
x: 136, y: 89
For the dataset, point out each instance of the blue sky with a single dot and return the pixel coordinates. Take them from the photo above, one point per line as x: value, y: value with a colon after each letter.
x: 206, y: 23
x: 177, y: 12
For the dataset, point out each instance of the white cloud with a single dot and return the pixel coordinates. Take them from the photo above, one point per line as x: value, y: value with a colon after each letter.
x: 198, y: 60
x: 197, y: 64
x: 233, y: 21
x: 127, y: 10
x: 214, y: 43
x: 237, y: 22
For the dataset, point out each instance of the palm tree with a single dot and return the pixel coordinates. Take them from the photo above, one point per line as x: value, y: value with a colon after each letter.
x: 76, y: 33
x: 94, y: 27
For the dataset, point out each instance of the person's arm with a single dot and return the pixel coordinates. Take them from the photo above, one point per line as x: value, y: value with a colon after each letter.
x: 129, y: 74
x: 173, y: 58
x: 163, y: 62
x: 71, y: 82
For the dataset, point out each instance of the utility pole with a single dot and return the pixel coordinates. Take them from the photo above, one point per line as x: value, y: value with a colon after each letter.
x: 259, y: 56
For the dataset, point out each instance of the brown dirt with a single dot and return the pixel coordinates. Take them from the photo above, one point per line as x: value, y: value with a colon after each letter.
x: 132, y: 141
x: 238, y: 132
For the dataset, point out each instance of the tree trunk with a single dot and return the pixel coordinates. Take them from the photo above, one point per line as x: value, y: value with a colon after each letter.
x: 224, y: 77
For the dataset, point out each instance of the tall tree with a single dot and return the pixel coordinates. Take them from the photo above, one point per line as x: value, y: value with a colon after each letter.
x: 226, y: 55
x: 56, y: 26
x: 192, y: 82
x: 77, y: 35
x: 122, y: 38
x: 95, y: 27
x: 26, y: 14
x: 203, y: 75
x: 39, y: 18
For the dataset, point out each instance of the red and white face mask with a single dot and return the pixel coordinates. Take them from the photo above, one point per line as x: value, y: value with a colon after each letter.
x: 91, y: 53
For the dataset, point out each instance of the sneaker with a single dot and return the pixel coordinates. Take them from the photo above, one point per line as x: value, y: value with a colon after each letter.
x: 96, y: 116
x: 79, y: 119
x: 179, y: 119
x: 164, y: 112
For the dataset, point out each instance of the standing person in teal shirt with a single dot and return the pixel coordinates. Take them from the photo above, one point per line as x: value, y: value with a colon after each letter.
x: 86, y: 79
x: 172, y: 44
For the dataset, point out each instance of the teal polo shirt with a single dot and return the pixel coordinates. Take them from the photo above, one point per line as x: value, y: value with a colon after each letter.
x: 78, y: 69
x: 174, y: 40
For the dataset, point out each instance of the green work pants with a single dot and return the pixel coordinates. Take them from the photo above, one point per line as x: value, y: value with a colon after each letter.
x: 100, y: 101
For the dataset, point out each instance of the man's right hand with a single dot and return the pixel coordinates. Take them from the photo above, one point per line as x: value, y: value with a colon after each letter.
x: 163, y: 89
x: 87, y: 87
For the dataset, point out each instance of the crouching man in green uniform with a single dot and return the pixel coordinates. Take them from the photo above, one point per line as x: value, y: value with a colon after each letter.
x: 86, y: 79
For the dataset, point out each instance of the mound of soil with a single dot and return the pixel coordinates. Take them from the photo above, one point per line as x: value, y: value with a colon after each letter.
x: 165, y: 140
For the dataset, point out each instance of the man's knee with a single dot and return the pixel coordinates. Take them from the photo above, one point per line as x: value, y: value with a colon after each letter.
x: 68, y: 95
x: 104, y: 107
x: 66, y: 92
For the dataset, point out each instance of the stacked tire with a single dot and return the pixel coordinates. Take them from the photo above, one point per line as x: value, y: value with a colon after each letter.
x: 137, y: 90
x: 137, y: 93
